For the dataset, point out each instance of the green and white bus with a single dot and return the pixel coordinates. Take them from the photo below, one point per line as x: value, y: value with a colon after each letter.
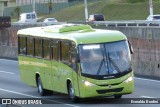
x: 76, y: 60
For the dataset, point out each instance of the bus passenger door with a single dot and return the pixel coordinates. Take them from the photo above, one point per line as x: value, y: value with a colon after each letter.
x: 75, y: 68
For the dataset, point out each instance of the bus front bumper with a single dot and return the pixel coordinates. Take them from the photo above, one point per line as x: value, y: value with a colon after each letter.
x: 92, y: 90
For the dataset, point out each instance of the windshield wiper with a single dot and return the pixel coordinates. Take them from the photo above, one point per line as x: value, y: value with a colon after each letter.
x: 100, y: 66
x: 114, y: 64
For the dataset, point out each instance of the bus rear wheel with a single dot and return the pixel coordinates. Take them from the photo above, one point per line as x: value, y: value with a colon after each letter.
x: 41, y: 91
x: 71, y: 94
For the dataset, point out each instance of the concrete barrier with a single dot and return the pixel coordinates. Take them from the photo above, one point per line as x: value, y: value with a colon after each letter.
x: 145, y: 41
x: 8, y: 52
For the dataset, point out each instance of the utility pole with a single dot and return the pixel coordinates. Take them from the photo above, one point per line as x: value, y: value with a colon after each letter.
x: 33, y: 6
x: 17, y: 3
x: 86, y: 10
x: 150, y: 7
x: 8, y: 3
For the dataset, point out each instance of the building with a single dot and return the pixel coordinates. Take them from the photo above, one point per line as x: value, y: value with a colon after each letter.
x: 24, y: 2
x: 6, y: 3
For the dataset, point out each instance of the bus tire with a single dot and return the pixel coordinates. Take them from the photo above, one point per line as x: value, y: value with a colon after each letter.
x: 41, y: 91
x: 71, y: 93
x: 118, y: 96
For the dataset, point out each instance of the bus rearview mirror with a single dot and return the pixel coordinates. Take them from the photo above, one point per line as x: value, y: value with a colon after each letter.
x: 130, y: 47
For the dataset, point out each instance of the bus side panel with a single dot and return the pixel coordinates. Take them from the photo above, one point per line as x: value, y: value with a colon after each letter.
x: 30, y: 68
x: 61, y: 76
x: 27, y: 70
x: 54, y: 71
x: 48, y: 83
x: 23, y: 69
x: 75, y: 79
x: 39, y: 69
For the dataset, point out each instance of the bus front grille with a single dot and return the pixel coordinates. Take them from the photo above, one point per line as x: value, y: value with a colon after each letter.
x: 109, y: 90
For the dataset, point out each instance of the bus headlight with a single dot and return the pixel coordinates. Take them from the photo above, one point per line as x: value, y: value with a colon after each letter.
x: 129, y: 79
x: 86, y: 83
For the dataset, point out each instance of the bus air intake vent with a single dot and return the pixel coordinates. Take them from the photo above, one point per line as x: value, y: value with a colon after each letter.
x: 109, y: 90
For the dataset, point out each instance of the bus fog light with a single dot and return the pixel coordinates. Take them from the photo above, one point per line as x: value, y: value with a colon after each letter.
x: 129, y: 79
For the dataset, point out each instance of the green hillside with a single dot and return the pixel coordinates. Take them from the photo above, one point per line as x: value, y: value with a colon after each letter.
x: 113, y: 10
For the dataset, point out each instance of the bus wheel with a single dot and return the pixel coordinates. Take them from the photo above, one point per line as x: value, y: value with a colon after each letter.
x: 71, y: 93
x: 117, y: 96
x: 41, y: 91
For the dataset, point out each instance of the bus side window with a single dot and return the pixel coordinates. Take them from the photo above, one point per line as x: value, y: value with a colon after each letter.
x: 74, y: 58
x: 55, y: 52
x: 22, y: 45
x: 46, y: 49
x: 30, y: 46
x: 38, y: 47
x: 65, y: 51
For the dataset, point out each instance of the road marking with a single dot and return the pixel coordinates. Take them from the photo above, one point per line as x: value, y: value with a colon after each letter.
x: 146, y: 97
x: 7, y: 72
x: 8, y: 60
x: 147, y: 79
x: 37, y: 97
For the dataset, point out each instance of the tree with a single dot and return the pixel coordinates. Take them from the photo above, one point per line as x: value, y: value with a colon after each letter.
x: 17, y: 10
x: 50, y: 6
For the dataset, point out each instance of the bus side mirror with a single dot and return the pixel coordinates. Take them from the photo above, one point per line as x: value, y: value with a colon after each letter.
x: 130, y: 47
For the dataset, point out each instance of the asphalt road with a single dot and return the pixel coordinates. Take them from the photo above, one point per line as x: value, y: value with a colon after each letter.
x: 11, y: 86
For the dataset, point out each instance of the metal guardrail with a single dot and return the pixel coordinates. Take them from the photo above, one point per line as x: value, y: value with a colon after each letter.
x: 127, y: 23
x: 37, y: 23
x: 116, y: 23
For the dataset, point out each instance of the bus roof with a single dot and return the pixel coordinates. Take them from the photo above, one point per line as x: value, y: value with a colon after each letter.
x: 80, y: 34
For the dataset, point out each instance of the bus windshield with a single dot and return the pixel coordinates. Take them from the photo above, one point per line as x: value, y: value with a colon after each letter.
x: 105, y: 59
